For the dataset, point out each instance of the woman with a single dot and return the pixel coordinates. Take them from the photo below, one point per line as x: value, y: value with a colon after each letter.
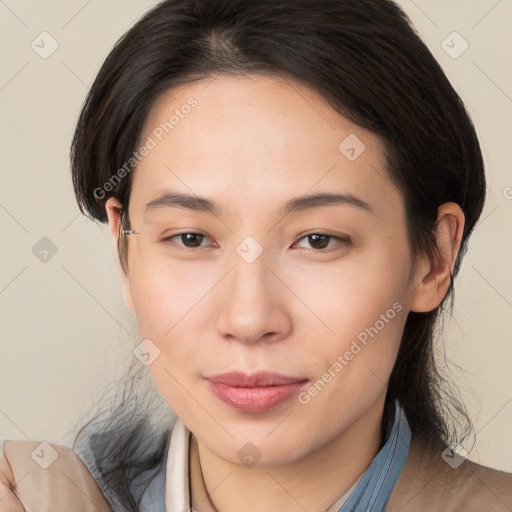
x: 291, y: 186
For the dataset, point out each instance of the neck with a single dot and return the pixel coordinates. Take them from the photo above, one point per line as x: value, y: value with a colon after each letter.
x: 313, y: 482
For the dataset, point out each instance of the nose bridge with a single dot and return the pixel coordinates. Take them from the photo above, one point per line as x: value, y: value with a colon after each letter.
x: 250, y: 276
x: 250, y: 281
x: 253, y: 304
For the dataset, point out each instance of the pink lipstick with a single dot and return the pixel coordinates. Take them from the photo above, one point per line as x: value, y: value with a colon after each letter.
x: 254, y: 393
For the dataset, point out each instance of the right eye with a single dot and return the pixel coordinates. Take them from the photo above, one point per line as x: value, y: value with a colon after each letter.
x: 187, y: 240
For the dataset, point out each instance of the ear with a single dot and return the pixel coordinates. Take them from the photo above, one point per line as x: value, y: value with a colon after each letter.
x: 434, y: 276
x: 113, y: 208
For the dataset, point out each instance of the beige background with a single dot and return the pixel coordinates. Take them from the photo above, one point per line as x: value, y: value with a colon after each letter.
x: 65, y: 331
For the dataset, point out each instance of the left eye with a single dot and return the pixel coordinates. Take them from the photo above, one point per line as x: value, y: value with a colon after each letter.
x: 320, y: 241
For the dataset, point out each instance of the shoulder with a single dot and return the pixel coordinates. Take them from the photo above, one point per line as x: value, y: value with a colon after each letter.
x: 433, y: 481
x: 43, y: 476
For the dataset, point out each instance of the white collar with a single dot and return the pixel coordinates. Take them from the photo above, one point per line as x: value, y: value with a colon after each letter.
x: 176, y: 471
x: 177, y: 474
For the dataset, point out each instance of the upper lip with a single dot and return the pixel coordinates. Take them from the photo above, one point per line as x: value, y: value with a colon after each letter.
x: 259, y: 379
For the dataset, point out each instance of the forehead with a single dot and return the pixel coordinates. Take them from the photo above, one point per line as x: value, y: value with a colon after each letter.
x: 255, y: 137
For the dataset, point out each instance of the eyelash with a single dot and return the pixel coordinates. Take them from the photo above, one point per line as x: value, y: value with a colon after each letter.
x: 344, y: 241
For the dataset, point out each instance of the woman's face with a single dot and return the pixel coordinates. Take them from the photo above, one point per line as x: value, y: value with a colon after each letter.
x: 256, y: 290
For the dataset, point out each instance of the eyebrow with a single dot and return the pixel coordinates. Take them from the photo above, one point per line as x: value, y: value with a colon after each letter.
x: 323, y: 199
x: 202, y: 204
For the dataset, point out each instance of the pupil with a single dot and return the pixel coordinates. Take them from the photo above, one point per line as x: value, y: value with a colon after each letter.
x: 315, y: 238
x: 191, y: 237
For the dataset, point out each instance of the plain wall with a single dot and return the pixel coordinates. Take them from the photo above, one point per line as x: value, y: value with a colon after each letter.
x: 65, y: 331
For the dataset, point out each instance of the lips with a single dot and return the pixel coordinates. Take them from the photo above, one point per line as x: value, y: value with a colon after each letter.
x: 260, y: 379
x: 254, y: 393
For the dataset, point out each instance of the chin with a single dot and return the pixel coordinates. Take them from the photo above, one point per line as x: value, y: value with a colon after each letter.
x: 256, y: 449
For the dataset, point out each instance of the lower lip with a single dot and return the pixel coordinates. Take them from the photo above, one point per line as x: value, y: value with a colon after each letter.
x: 258, y: 399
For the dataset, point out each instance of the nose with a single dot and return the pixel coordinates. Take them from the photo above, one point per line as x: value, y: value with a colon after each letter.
x: 254, y: 303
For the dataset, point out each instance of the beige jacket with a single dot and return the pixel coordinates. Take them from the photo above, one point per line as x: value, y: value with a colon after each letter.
x: 426, y: 483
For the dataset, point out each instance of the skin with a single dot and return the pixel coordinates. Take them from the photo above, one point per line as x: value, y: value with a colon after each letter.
x: 251, y: 144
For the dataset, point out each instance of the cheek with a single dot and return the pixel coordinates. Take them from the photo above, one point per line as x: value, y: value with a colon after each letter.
x: 153, y: 308
x: 166, y: 300
x: 172, y: 311
x: 169, y: 314
x: 350, y: 296
x: 360, y: 314
x: 350, y: 366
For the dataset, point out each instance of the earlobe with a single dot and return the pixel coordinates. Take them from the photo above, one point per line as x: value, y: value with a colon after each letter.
x: 434, y: 277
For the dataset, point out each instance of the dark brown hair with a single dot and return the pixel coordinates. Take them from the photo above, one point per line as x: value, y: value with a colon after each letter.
x: 366, y: 60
